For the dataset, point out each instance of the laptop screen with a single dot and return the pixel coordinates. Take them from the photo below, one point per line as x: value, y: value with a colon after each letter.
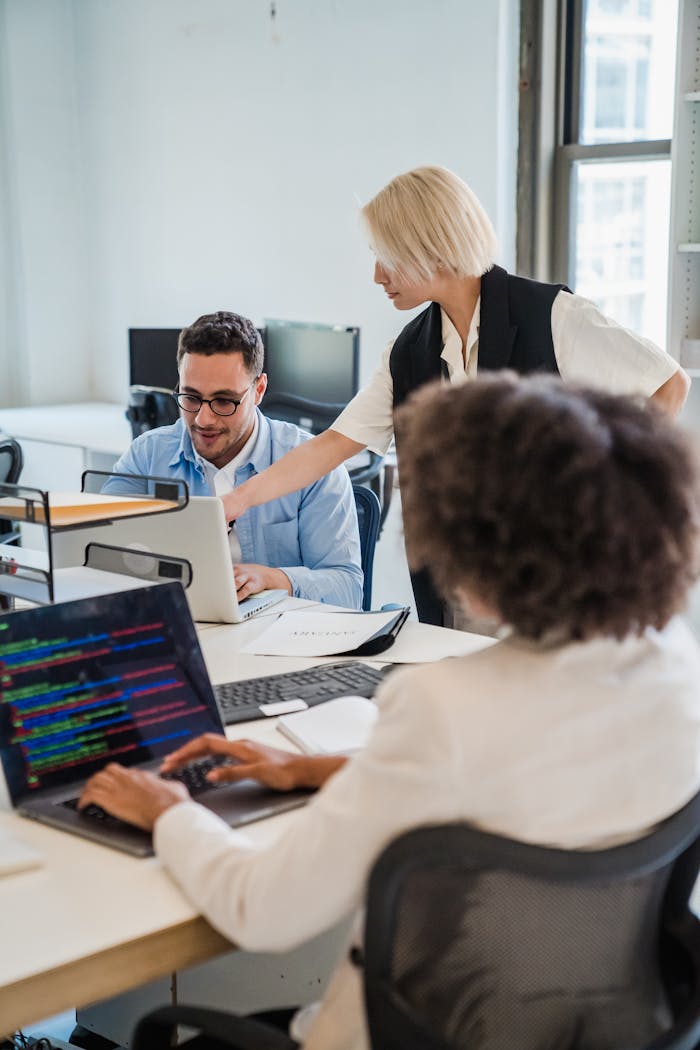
x: 119, y: 677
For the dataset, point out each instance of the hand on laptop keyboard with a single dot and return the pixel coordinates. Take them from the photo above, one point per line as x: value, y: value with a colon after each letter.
x: 246, y: 759
x: 133, y: 795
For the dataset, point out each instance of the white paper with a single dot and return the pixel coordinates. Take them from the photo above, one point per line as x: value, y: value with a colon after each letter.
x: 314, y: 633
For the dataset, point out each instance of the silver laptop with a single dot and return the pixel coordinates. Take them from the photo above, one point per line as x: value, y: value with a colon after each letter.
x: 118, y: 677
x: 199, y: 533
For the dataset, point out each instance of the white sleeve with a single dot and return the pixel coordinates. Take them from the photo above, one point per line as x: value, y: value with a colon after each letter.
x: 591, y: 348
x: 369, y: 418
x: 271, y: 898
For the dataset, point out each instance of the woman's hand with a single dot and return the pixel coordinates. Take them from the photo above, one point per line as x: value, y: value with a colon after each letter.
x: 235, y: 504
x: 272, y: 766
x: 132, y: 795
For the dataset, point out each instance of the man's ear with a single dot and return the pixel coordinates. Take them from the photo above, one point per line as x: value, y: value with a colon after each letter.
x: 260, y: 387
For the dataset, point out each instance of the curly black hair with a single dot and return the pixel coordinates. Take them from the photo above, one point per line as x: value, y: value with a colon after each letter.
x: 223, y: 333
x: 570, y: 511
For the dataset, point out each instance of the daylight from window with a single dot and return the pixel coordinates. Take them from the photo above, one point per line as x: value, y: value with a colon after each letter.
x: 622, y: 206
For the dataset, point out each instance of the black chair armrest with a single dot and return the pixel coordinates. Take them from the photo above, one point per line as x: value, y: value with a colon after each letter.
x: 156, y: 1029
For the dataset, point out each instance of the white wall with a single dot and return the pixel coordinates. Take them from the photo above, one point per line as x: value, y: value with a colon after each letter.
x: 172, y: 157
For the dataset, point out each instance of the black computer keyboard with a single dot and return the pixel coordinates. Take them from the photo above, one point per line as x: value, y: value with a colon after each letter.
x: 240, y: 701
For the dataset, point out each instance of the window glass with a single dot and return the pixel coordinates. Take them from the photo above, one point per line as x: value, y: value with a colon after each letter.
x: 622, y: 214
x: 628, y: 62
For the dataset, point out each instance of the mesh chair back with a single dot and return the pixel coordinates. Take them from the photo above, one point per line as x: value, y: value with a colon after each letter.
x: 368, y: 513
x: 474, y: 941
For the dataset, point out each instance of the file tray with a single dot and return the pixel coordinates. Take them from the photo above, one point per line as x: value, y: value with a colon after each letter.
x: 106, y: 569
x: 105, y: 496
x: 143, y: 565
x: 27, y: 571
x: 69, y: 510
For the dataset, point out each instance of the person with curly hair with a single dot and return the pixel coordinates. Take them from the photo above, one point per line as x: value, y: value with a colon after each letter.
x: 570, y: 516
x: 433, y: 242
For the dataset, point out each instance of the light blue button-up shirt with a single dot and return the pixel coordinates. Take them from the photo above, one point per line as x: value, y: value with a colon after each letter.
x: 311, y: 534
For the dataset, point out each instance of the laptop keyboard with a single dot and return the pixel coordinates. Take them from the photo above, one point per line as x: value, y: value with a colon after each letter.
x: 193, y: 776
x: 241, y: 701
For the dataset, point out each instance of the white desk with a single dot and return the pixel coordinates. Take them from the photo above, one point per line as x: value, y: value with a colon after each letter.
x: 59, y: 442
x: 92, y: 922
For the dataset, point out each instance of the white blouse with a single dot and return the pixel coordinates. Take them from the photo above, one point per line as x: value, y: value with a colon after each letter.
x: 589, y: 348
x: 587, y: 744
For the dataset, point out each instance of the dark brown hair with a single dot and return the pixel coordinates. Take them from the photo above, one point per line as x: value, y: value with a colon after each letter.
x: 568, y: 510
x: 223, y: 333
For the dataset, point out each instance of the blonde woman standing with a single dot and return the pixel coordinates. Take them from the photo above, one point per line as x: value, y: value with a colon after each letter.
x: 433, y: 242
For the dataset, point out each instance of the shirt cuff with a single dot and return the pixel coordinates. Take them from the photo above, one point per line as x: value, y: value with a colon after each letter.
x: 175, y: 825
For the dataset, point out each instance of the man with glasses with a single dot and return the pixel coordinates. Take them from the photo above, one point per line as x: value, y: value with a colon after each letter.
x: 306, y: 543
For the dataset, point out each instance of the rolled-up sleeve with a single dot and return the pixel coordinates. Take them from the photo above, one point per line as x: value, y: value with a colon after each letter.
x: 593, y: 349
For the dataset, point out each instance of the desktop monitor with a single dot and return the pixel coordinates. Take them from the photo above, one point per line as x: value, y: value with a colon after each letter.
x: 153, y: 357
x: 316, y: 362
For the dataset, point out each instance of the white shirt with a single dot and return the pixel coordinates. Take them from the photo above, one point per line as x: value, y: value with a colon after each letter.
x: 222, y: 480
x: 589, y: 348
x: 582, y: 745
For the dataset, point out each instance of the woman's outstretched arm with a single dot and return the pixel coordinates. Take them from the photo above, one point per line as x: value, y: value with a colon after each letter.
x: 302, y: 466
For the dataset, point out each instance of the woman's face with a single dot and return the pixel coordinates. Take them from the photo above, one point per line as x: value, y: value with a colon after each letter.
x: 404, y: 292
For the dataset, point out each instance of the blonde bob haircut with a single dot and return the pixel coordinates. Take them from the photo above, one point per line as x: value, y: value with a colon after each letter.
x: 428, y: 220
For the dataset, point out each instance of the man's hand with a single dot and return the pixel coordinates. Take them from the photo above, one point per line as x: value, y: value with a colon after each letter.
x: 278, y: 769
x: 132, y: 795
x: 250, y: 579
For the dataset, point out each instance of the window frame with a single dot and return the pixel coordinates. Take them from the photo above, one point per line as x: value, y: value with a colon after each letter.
x: 551, y: 66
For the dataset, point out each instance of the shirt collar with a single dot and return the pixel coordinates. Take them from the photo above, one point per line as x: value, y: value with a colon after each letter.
x: 228, y: 471
x: 452, y: 343
x: 256, y: 448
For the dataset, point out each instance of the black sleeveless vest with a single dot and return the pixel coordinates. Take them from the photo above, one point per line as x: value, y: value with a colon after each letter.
x: 515, y: 331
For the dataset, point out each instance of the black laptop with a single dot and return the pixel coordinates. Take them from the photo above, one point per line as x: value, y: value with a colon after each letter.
x: 117, y: 677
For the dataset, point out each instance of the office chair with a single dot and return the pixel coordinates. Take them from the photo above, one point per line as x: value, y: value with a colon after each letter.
x: 11, y: 463
x: 11, y: 460
x: 150, y: 407
x: 477, y: 942
x: 367, y: 506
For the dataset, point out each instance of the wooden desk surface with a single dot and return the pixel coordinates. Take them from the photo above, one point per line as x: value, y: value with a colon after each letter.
x: 93, y: 922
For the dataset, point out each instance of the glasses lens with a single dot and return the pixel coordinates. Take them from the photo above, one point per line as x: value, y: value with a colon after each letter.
x: 223, y: 406
x: 189, y: 402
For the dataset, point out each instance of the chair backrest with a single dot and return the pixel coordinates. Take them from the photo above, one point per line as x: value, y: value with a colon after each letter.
x: 314, y: 416
x: 11, y: 463
x: 11, y: 460
x: 150, y: 407
x: 368, y: 513
x: 476, y: 941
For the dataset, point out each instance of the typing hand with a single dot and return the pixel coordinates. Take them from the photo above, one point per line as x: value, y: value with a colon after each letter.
x: 132, y: 795
x: 278, y: 769
x: 251, y: 579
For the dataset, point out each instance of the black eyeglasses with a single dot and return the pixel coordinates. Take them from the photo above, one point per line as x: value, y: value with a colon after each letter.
x: 220, y: 406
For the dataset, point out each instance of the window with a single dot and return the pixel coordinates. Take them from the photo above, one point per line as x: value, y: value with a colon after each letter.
x: 610, y: 212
